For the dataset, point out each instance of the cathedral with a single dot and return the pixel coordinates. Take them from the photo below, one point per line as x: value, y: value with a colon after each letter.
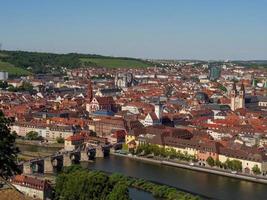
x: 124, y: 80
x: 237, y: 97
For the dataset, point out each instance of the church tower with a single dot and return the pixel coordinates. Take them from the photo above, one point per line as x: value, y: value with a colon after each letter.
x: 158, y: 110
x: 254, y: 85
x: 237, y: 97
x: 241, y: 96
x: 233, y: 95
x: 89, y: 92
x: 265, y: 88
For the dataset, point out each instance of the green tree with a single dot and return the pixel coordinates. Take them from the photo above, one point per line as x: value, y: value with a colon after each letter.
x: 77, y: 183
x: 8, y: 151
x: 119, y: 192
x: 210, y: 161
x: 33, y: 135
x: 3, y: 84
x: 60, y: 140
x: 237, y: 165
x: 233, y: 165
x: 256, y: 170
x: 218, y: 163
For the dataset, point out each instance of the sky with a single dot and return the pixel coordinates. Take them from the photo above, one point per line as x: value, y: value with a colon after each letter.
x: 159, y: 29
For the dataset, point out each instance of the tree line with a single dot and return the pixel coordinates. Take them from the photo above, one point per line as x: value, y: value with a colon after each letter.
x: 78, y: 183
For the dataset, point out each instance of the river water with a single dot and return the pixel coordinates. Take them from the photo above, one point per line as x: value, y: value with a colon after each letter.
x: 205, y: 184
x: 209, y: 185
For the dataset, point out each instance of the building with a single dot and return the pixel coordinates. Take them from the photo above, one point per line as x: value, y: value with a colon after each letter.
x: 262, y: 101
x: 33, y: 187
x: 101, y: 103
x: 237, y: 97
x: 73, y: 142
x: 49, y: 132
x: 3, y: 76
x: 214, y: 73
x: 124, y: 80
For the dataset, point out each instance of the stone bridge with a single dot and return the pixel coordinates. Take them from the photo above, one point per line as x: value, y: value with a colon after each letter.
x: 54, y: 163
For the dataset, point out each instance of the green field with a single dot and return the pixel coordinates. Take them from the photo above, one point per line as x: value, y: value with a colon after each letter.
x: 12, y: 70
x: 116, y: 62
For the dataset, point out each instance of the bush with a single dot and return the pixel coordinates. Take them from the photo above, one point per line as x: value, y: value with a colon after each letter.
x: 233, y: 165
x: 33, y: 135
x: 256, y: 170
x: 147, y: 149
x: 210, y: 161
x: 60, y: 140
x: 77, y: 183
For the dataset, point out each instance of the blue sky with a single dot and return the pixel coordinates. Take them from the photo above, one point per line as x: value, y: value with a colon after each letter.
x: 175, y: 29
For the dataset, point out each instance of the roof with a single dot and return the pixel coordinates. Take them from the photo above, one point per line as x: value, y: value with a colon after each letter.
x: 30, y: 182
x: 103, y: 112
x: 76, y: 137
x: 105, y: 100
x: 153, y: 116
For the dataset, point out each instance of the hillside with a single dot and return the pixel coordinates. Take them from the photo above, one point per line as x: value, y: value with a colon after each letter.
x: 21, y: 62
x: 115, y: 62
x: 12, y: 70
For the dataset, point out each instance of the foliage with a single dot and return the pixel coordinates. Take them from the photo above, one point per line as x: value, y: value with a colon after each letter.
x: 12, y: 70
x: 147, y: 149
x: 76, y: 183
x: 8, y: 151
x: 210, y: 161
x: 158, y: 191
x: 60, y: 140
x: 3, y: 84
x: 41, y: 62
x: 115, y: 62
x: 218, y: 163
x: 25, y: 86
x: 256, y: 170
x: 119, y: 192
x: 33, y: 135
x: 223, y: 88
x: 233, y: 165
x: 22, y: 63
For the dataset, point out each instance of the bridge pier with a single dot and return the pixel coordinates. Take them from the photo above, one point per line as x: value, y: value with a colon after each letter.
x: 99, y: 152
x: 66, y: 160
x: 27, y: 168
x: 84, y: 156
x: 48, y: 167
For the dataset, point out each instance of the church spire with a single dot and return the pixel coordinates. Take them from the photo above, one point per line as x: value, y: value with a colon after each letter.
x: 89, y: 91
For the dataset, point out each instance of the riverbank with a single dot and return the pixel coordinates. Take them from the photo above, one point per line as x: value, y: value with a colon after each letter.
x: 197, y: 168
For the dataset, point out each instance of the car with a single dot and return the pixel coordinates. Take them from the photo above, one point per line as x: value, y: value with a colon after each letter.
x: 234, y: 172
x: 191, y: 164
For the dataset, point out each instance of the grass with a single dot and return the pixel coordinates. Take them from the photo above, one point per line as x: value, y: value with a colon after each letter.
x: 117, y: 62
x: 12, y: 70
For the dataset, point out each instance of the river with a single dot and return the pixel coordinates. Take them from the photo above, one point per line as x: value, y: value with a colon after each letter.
x: 210, y: 185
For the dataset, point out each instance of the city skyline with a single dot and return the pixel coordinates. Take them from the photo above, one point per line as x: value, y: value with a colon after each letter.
x: 178, y: 30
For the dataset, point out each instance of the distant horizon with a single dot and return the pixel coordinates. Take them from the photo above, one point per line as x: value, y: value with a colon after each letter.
x: 170, y: 59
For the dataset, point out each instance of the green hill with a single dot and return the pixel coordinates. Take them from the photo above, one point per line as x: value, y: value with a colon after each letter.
x: 115, y: 62
x: 12, y: 70
x: 37, y: 62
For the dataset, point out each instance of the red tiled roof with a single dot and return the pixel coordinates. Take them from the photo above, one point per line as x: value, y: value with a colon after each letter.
x: 30, y: 182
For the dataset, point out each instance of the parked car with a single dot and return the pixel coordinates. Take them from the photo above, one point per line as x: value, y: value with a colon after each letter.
x: 191, y: 164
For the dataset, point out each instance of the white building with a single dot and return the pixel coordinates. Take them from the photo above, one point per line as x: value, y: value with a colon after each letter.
x: 3, y: 76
